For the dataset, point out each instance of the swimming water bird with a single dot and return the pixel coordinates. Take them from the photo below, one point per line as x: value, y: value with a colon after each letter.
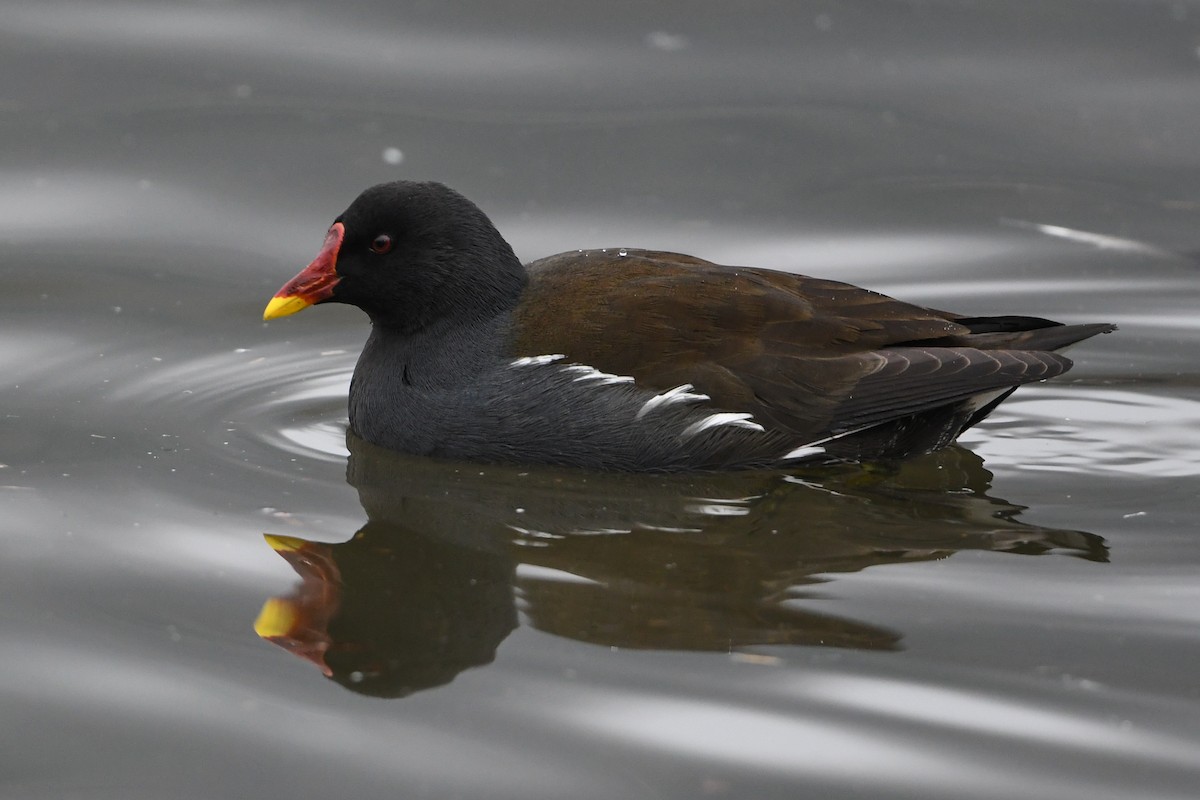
x: 640, y: 360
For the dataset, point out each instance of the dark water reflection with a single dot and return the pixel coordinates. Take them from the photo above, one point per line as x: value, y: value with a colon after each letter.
x: 425, y: 588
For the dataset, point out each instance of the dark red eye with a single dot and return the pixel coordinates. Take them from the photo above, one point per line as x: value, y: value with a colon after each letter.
x: 381, y: 243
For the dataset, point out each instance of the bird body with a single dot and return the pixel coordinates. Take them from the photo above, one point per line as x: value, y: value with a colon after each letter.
x: 642, y: 360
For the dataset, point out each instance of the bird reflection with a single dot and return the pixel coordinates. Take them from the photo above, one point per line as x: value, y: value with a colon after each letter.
x: 432, y: 583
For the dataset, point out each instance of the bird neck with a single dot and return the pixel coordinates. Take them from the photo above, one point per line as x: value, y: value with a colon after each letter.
x: 445, y: 354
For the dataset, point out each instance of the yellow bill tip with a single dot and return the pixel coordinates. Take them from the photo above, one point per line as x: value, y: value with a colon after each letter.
x: 284, y: 544
x: 276, y: 619
x: 283, y: 306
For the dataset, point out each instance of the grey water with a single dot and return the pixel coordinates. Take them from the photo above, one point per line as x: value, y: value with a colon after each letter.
x: 209, y: 590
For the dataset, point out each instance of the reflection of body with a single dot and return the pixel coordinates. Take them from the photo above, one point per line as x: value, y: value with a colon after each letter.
x: 425, y: 588
x: 640, y: 360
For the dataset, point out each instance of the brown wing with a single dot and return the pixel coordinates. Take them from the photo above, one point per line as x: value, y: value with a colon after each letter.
x: 806, y: 355
x: 678, y: 303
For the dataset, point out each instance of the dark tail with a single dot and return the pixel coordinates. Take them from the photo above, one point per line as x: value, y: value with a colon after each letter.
x: 1025, y: 333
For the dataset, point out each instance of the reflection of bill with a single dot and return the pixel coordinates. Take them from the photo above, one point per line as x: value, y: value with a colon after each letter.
x: 300, y: 623
x: 425, y: 589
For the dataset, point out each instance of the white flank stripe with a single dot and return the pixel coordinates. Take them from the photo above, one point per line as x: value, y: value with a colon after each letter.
x: 807, y: 451
x: 812, y: 448
x: 592, y: 374
x: 536, y: 361
x: 680, y: 394
x: 737, y: 420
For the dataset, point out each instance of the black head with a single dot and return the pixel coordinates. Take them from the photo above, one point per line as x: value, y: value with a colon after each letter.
x: 409, y: 254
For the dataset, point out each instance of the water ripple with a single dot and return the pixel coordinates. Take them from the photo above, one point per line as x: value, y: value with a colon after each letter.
x: 283, y: 396
x: 1085, y: 430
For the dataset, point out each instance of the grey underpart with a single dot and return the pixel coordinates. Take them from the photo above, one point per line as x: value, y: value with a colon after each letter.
x: 433, y: 398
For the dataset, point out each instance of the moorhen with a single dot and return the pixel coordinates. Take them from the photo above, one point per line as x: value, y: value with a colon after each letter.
x: 643, y: 360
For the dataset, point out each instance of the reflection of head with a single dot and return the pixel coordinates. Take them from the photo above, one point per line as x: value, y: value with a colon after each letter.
x: 418, y: 612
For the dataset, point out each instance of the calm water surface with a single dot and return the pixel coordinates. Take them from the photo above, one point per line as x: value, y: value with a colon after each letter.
x: 1014, y: 618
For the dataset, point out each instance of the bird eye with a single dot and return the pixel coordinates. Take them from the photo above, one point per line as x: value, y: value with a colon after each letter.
x: 381, y: 243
